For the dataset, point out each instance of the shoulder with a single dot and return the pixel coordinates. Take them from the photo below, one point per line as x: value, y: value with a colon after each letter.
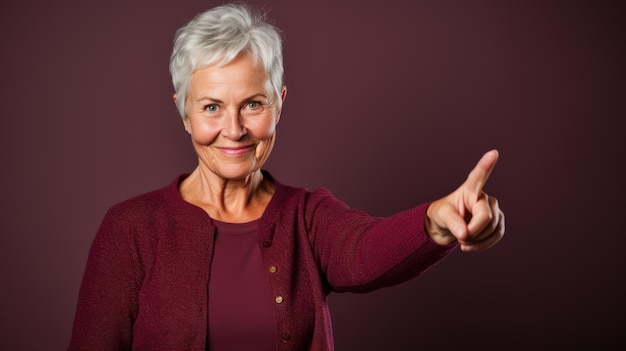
x: 153, y: 203
x: 288, y: 195
x: 289, y: 201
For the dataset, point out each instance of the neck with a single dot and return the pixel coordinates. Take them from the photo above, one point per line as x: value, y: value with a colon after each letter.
x: 228, y: 200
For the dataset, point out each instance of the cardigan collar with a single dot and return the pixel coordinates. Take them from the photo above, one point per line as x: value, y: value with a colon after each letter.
x: 267, y: 222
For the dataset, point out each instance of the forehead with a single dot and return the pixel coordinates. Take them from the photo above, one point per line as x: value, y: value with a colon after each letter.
x: 240, y: 72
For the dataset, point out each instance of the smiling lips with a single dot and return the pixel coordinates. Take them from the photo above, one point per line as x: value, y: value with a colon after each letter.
x: 236, y: 151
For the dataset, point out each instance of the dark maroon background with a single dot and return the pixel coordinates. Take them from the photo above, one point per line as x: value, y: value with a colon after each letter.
x: 390, y: 104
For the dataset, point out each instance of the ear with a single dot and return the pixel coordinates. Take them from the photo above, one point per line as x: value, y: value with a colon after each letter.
x: 283, y: 95
x: 175, y: 98
x: 186, y: 123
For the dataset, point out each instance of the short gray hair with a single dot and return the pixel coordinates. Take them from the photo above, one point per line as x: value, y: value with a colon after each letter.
x: 218, y: 36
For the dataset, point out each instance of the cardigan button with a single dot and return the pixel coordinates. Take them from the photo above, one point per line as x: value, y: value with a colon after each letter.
x: 279, y: 299
x: 285, y: 336
x: 273, y: 269
x: 267, y: 243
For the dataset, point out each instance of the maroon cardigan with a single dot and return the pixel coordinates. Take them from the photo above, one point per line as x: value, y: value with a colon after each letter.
x: 145, y: 284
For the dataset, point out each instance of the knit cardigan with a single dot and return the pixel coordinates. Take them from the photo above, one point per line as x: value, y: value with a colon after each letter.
x: 146, y: 280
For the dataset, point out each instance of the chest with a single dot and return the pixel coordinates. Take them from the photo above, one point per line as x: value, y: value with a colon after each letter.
x: 174, y: 294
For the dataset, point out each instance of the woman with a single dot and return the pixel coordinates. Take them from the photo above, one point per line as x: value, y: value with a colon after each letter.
x: 227, y: 257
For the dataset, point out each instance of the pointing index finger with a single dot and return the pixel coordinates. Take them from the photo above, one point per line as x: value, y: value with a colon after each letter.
x: 478, y: 176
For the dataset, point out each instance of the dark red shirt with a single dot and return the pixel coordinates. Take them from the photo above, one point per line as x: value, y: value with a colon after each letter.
x: 241, y: 316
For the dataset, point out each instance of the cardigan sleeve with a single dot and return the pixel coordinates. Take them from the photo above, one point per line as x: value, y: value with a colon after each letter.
x: 107, y: 303
x: 359, y: 253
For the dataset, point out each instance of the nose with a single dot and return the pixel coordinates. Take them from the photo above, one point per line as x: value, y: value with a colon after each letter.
x: 234, y: 128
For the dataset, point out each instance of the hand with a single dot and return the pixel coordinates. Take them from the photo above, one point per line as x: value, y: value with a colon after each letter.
x: 468, y: 215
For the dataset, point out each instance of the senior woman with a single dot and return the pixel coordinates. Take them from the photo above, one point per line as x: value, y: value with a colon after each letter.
x: 229, y: 258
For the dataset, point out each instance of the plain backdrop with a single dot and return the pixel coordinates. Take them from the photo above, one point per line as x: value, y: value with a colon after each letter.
x: 390, y: 104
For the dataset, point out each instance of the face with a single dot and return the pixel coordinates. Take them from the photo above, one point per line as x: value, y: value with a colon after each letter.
x: 230, y: 118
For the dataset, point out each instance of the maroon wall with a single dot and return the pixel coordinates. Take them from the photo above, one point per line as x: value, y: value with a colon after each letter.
x: 390, y: 103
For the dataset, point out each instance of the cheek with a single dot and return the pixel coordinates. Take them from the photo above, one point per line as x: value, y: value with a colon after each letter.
x: 267, y: 138
x: 262, y: 129
x: 204, y: 134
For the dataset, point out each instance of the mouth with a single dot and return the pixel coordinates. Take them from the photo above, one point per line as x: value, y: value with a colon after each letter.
x: 236, y: 151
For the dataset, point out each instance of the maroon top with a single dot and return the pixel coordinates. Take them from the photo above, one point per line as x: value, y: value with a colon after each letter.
x: 241, y: 316
x: 145, y: 285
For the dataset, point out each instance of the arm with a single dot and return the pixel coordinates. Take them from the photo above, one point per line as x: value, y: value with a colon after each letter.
x: 360, y: 253
x: 107, y: 302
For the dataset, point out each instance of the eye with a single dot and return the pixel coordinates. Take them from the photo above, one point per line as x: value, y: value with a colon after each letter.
x: 211, y: 108
x: 253, y: 105
x: 253, y: 108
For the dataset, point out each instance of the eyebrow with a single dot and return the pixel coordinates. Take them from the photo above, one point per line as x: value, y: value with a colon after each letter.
x: 251, y: 97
